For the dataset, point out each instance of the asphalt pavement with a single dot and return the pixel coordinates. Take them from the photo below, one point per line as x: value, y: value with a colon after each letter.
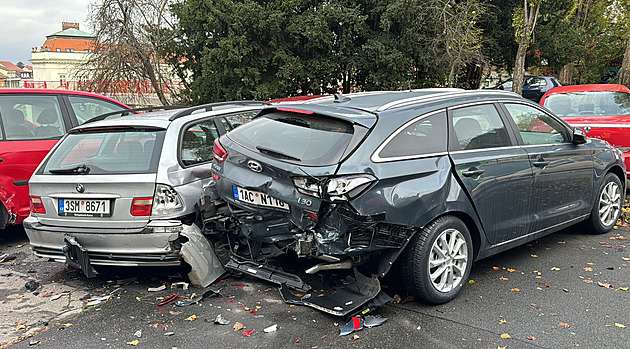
x: 569, y: 289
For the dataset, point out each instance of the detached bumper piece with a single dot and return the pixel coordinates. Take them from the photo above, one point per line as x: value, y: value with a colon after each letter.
x: 267, y: 273
x: 343, y: 300
x: 77, y: 256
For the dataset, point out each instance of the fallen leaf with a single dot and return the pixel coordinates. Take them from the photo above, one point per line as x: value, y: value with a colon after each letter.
x: 620, y: 325
x: 497, y: 268
x: 564, y: 325
x: 554, y: 269
x: 591, y: 264
x: 502, y: 322
x: 602, y: 284
x: 543, y: 284
x: 19, y: 296
x: 503, y: 278
x: 355, y: 337
x: 538, y: 277
x: 471, y: 282
x: 191, y: 318
x: 174, y: 312
x: 20, y: 327
x: 623, y: 288
x: 505, y: 336
x: 67, y: 324
x: 565, y: 290
x: 561, y: 242
x: 511, y: 270
x: 534, y: 256
x: 133, y: 343
x: 238, y: 326
x: 531, y: 338
x: 515, y: 290
x: 625, y: 258
x: 588, y: 269
x: 588, y: 281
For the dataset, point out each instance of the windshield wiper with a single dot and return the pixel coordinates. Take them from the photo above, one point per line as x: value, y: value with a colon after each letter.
x: 81, y: 169
x: 277, y: 154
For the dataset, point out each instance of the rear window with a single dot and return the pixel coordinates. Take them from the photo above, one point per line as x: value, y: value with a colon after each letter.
x: 113, y: 152
x: 589, y: 103
x: 311, y: 140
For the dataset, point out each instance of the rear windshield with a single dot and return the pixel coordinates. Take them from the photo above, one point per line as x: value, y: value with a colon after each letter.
x: 589, y: 103
x: 311, y: 140
x: 112, y: 152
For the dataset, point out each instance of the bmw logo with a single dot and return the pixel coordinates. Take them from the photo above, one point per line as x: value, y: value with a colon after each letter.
x: 80, y: 188
x: 254, y: 166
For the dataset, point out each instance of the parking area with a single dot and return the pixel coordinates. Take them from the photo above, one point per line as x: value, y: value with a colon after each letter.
x: 566, y: 290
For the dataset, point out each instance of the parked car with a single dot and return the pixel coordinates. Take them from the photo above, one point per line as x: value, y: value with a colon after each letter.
x: 534, y: 87
x: 434, y: 179
x: 601, y: 110
x: 124, y: 191
x: 32, y: 122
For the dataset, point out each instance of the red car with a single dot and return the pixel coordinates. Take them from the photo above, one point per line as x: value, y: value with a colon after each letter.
x: 602, y: 110
x: 32, y: 121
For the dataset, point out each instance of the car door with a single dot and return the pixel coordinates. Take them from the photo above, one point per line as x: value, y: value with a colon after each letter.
x: 31, y: 125
x: 563, y: 171
x: 495, y: 171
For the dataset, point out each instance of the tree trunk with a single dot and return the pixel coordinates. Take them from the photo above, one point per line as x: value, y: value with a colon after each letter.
x: 566, y: 74
x: 624, y: 71
x: 519, y: 65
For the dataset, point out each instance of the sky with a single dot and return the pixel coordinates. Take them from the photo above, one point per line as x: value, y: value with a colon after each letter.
x: 25, y: 24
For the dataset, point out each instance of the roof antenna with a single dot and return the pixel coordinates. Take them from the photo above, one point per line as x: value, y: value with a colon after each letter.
x: 339, y: 98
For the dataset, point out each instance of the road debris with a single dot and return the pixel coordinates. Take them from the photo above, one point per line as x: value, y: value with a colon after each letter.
x: 184, y: 285
x: 272, y: 328
x: 168, y: 334
x: 126, y: 281
x: 138, y: 333
x: 248, y: 333
x: 168, y: 300
x: 220, y: 320
x: 98, y: 300
x: 32, y: 285
x: 6, y: 258
x: 355, y: 324
x: 193, y: 300
x: 238, y: 326
x: 157, y: 289
x: 373, y: 321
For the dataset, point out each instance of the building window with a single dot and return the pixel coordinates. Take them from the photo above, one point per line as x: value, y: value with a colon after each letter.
x: 58, y: 50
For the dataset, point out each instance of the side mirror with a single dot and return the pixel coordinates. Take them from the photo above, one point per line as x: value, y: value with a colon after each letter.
x: 579, y: 137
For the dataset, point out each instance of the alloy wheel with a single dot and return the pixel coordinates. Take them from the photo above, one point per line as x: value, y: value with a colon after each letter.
x: 448, y: 260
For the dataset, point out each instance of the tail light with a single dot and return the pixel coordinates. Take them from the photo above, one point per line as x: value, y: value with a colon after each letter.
x: 334, y: 188
x: 219, y: 153
x: 141, y: 206
x: 166, y: 201
x: 37, y: 206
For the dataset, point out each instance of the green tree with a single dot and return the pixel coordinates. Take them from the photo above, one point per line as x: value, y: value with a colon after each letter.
x: 524, y: 24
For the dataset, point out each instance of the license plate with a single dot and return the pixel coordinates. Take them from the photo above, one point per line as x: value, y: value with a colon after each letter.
x: 84, y: 208
x: 257, y: 198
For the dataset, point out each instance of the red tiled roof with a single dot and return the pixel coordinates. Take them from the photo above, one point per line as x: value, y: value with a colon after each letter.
x: 11, y: 66
x: 63, y: 44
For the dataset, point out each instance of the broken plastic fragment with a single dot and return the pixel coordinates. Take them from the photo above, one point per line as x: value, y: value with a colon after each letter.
x: 32, y: 285
x: 209, y: 293
x: 184, y: 285
x: 373, y: 321
x: 169, y: 333
x: 220, y: 320
x: 156, y: 289
x: 272, y: 328
x: 169, y: 299
x: 138, y: 333
x: 355, y: 324
x: 247, y: 333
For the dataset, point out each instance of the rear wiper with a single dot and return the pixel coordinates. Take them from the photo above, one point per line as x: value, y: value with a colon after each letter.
x: 81, y: 169
x: 277, y: 154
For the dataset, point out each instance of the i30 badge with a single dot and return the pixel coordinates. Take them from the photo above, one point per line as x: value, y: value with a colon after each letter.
x: 80, y: 188
x: 254, y: 166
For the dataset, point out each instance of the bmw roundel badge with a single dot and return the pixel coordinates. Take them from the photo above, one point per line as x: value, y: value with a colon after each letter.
x: 80, y: 188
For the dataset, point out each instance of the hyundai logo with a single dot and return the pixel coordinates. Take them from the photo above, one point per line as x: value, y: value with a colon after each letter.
x: 254, y: 166
x: 80, y: 188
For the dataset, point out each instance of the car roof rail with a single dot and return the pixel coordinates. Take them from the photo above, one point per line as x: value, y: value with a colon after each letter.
x: 130, y: 111
x: 211, y: 106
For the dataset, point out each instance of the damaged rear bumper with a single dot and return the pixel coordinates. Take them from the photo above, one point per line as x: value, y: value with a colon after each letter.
x: 160, y: 243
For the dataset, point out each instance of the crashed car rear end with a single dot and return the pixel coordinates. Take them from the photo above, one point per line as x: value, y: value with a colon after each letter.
x: 434, y: 178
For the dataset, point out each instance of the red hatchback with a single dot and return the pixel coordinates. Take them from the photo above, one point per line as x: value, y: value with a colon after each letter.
x: 602, y: 110
x: 32, y: 121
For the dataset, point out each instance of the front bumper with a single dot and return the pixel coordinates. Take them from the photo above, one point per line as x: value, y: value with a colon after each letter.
x: 111, y: 247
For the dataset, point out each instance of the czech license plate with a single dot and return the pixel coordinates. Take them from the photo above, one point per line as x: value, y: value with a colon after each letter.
x: 84, y: 208
x: 257, y: 198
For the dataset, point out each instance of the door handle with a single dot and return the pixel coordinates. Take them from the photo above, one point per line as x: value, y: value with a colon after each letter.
x: 473, y: 173
x: 541, y: 163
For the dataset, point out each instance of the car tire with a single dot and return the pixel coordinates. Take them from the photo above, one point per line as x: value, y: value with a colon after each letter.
x: 607, y: 207
x: 423, y: 259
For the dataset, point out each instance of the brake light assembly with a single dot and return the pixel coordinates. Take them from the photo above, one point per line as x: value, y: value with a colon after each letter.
x: 218, y: 152
x: 37, y: 206
x: 342, y: 188
x: 166, y: 201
